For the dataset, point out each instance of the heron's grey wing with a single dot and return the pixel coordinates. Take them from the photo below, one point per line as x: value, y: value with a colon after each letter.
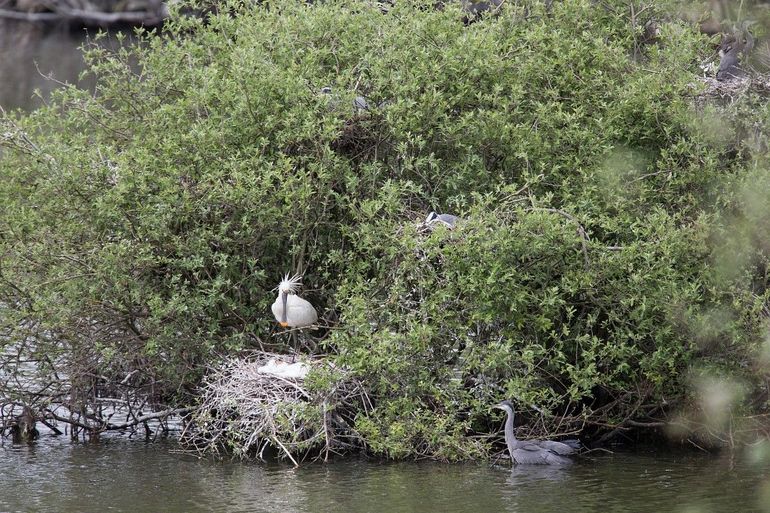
x: 535, y: 452
x: 559, y: 447
x: 360, y: 103
x: 528, y: 453
x: 527, y: 445
x: 448, y: 219
x: 530, y: 457
x: 551, y: 458
x: 574, y: 443
x: 729, y: 65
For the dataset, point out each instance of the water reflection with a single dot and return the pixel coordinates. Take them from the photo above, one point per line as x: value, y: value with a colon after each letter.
x: 651, y: 482
x: 31, y: 52
x: 121, y: 475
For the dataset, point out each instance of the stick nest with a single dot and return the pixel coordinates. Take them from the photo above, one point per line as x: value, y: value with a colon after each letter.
x: 246, y: 413
x: 727, y: 91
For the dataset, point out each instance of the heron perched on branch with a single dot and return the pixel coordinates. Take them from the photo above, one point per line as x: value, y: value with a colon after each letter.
x: 535, y: 452
x: 290, y: 310
x: 447, y: 220
x: 734, y: 53
x: 359, y: 103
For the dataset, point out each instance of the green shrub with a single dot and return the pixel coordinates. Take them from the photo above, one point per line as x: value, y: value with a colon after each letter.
x: 143, y: 227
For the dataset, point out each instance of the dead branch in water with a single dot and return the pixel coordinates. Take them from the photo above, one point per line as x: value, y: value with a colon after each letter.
x: 85, y: 422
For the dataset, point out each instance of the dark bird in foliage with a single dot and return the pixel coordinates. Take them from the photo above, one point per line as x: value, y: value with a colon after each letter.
x: 359, y: 103
x: 535, y: 452
x: 733, y: 53
x: 474, y: 7
x: 23, y: 427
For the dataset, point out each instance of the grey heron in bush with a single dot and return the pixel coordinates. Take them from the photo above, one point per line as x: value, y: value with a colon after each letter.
x: 290, y: 310
x: 535, y: 452
x: 447, y: 220
x: 359, y: 103
x: 479, y: 6
x: 733, y: 53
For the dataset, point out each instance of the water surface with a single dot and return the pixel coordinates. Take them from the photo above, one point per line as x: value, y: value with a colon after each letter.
x: 56, y: 475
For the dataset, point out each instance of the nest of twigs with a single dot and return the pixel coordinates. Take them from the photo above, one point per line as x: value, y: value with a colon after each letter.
x: 729, y: 90
x: 359, y: 138
x: 250, y: 410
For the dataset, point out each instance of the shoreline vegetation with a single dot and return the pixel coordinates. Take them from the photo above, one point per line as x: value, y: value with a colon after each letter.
x: 604, y: 263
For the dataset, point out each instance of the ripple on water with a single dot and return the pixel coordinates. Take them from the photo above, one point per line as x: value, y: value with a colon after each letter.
x: 122, y: 475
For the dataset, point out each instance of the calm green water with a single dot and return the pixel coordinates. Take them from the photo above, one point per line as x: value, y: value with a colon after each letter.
x: 36, y: 57
x: 122, y: 475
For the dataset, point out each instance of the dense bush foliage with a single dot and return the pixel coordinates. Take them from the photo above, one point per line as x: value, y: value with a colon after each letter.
x: 143, y: 227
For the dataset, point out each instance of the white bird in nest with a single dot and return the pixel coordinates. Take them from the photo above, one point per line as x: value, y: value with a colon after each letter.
x: 283, y: 369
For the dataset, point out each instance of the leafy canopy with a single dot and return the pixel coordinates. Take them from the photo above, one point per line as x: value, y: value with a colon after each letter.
x: 143, y: 227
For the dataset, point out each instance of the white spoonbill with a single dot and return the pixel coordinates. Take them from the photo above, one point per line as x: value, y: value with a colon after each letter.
x: 289, y: 309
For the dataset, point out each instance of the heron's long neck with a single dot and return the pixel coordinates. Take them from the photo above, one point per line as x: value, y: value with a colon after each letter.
x: 510, y: 436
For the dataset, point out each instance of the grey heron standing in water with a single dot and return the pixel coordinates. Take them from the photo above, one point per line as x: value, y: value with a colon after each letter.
x: 289, y: 309
x: 535, y: 452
